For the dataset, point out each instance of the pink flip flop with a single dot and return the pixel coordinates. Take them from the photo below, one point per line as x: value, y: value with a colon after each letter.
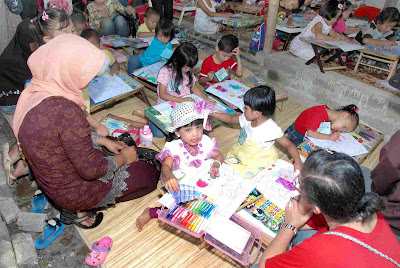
x: 99, y: 252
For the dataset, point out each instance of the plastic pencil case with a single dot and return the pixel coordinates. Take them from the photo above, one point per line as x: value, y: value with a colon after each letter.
x: 250, y: 251
x: 182, y: 218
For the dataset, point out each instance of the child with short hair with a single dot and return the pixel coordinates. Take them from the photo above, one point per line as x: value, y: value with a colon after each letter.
x: 284, y: 10
x: 151, y: 18
x: 187, y: 150
x: 222, y: 59
x: 165, y: 32
x: 344, y: 119
x: 319, y: 28
x: 78, y: 23
x: 255, y: 148
x: 93, y: 37
x: 340, y: 25
x: 205, y: 10
x: 80, y: 7
x: 379, y: 32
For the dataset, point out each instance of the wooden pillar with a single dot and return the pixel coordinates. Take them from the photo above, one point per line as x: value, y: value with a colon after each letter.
x: 271, y: 25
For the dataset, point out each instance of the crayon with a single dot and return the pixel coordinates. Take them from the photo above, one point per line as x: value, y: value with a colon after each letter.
x: 191, y: 204
x: 185, y: 220
x: 205, y: 208
x: 178, y: 213
x: 172, y: 211
x: 208, y: 213
x: 196, y: 230
x: 198, y: 219
x: 198, y: 210
x: 196, y: 206
x: 191, y: 222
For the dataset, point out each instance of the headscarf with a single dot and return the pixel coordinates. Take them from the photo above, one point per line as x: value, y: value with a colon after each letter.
x: 62, y: 67
x: 13, y: 61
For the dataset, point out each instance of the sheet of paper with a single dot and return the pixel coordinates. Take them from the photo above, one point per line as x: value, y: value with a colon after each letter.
x: 253, y: 221
x: 346, y: 144
x: 150, y: 72
x: 229, y: 233
x: 231, y: 91
x: 106, y: 87
x: 345, y: 46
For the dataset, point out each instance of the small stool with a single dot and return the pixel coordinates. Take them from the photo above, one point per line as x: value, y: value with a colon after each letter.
x: 392, y: 60
x: 280, y: 96
x: 183, y: 9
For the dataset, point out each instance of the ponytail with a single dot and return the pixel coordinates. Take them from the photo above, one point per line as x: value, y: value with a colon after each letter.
x: 352, y: 110
x: 369, y: 204
x: 48, y: 20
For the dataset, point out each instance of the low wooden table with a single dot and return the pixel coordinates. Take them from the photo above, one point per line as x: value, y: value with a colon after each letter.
x: 368, y: 136
x: 245, y: 20
x: 251, y: 9
x: 320, y: 48
x: 182, y: 9
x: 390, y: 59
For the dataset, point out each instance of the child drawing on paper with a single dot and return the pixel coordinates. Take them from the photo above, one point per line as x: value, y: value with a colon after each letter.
x: 340, y: 25
x: 176, y: 80
x: 255, y: 148
x: 220, y: 65
x: 344, y: 119
x: 187, y: 150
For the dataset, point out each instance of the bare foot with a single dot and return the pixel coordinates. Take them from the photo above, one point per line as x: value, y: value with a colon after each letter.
x: 14, y: 154
x: 89, y: 222
x: 139, y: 113
x: 21, y: 169
x: 143, y: 219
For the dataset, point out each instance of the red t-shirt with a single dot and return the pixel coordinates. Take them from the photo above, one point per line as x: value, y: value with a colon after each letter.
x: 333, y: 251
x: 311, y: 118
x: 209, y: 65
x: 317, y: 222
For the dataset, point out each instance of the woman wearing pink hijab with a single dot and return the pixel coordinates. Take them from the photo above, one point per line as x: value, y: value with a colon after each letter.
x: 55, y: 137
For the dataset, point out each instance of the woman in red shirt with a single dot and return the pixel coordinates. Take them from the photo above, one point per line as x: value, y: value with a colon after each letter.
x: 332, y: 184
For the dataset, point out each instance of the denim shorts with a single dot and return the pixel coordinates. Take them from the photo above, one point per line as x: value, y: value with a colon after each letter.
x: 294, y: 136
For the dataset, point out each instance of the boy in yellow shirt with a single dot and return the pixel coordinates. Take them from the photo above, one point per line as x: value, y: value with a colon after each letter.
x: 151, y: 18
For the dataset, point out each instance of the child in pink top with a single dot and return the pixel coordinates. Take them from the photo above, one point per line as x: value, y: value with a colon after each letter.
x: 340, y: 25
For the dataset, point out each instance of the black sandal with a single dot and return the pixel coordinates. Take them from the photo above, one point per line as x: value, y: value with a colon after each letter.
x: 68, y: 218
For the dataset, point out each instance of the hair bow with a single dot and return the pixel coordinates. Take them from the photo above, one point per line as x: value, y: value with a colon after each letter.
x: 356, y: 109
x: 45, y: 16
x: 340, y: 6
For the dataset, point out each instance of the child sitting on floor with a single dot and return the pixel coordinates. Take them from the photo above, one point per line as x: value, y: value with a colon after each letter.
x: 319, y: 28
x: 205, y: 10
x: 151, y: 18
x: 379, y: 32
x: 93, y: 37
x: 284, y: 10
x: 222, y: 59
x: 340, y: 25
x: 165, y: 32
x: 188, y: 149
x: 176, y: 80
x: 344, y: 119
x: 255, y: 148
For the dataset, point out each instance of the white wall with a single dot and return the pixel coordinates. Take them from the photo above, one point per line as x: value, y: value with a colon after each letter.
x: 378, y: 3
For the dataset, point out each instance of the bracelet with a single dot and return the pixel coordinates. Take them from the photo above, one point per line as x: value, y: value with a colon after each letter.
x: 289, y: 226
x: 217, y: 162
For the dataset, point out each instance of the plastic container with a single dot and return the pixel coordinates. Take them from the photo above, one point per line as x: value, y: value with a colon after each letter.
x: 146, y: 137
x: 250, y: 251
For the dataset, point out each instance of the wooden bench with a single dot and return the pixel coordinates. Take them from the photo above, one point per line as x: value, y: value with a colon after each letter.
x: 392, y: 60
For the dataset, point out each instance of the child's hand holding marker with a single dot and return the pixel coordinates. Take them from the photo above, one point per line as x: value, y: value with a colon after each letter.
x: 214, y: 170
x: 171, y: 184
x: 334, y: 136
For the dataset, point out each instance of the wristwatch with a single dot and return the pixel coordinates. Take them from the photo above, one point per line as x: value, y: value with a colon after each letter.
x: 289, y: 226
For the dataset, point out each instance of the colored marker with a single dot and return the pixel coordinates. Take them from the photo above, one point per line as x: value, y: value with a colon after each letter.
x: 178, y: 213
x: 196, y: 230
x: 205, y: 208
x: 191, y: 222
x: 208, y: 213
x: 198, y: 219
x: 172, y: 211
x: 196, y: 206
x: 185, y: 220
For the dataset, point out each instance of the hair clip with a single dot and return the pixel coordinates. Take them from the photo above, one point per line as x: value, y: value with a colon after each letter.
x: 45, y: 16
x: 33, y: 20
x: 359, y: 217
x: 340, y: 6
x: 355, y: 109
x: 328, y: 151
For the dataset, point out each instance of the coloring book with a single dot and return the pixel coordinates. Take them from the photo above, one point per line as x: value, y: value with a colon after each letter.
x: 231, y: 91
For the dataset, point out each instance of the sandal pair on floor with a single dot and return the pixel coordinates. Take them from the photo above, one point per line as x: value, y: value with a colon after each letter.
x: 71, y: 218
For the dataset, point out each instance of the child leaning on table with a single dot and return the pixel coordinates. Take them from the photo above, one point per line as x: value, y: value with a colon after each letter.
x: 379, y: 32
x: 93, y: 37
x: 205, y: 10
x: 284, y: 10
x: 344, y: 119
x: 222, y: 58
x: 319, y: 28
x: 165, y: 32
x: 255, y: 148
x: 147, y: 28
x: 186, y: 150
x: 176, y: 79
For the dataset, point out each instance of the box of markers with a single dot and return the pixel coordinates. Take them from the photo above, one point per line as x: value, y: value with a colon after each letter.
x: 194, y: 217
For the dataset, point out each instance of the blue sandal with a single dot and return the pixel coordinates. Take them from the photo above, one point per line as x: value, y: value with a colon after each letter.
x: 53, y: 229
x: 39, y: 202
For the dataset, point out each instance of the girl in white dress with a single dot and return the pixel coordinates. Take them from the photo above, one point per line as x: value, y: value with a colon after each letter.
x: 205, y: 10
x: 319, y: 28
x: 189, y: 150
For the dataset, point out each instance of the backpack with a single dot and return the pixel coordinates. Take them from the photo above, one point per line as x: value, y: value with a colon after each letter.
x: 258, y: 39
